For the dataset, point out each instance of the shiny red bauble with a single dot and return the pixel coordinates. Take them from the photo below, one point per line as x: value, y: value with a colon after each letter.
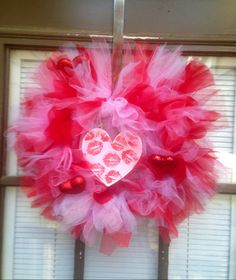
x: 162, y: 161
x: 73, y: 186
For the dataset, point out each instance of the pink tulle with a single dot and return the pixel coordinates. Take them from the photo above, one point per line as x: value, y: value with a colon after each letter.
x: 158, y: 96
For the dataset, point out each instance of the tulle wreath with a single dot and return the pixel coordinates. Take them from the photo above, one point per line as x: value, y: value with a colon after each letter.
x: 149, y: 130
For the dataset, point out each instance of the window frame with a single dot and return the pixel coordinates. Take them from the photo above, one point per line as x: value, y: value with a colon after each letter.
x: 31, y: 40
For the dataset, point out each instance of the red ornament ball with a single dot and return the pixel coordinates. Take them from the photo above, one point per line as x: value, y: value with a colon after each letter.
x: 73, y: 186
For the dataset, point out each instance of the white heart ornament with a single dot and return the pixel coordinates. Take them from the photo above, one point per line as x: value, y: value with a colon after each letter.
x: 109, y: 160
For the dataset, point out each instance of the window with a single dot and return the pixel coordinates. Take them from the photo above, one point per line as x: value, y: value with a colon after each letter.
x: 38, y: 249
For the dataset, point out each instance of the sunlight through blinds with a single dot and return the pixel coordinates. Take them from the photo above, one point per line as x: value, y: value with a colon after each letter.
x: 205, y: 248
x: 33, y: 247
x: 139, y: 261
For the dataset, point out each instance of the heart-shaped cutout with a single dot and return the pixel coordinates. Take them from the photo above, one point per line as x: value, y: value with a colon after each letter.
x: 109, y: 160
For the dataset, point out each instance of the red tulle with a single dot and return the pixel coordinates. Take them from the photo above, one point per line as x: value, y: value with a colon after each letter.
x: 196, y: 77
x: 62, y: 129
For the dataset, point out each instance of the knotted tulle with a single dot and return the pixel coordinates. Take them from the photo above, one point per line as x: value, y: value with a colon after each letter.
x: 158, y: 96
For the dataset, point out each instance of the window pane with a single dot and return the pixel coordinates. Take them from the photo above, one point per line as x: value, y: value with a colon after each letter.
x: 34, y: 248
x: 224, y: 71
x: 22, y: 66
x: 205, y: 248
x: 139, y: 261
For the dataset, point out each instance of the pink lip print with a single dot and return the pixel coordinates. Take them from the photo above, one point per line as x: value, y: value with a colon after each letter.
x: 95, y: 147
x: 111, y: 161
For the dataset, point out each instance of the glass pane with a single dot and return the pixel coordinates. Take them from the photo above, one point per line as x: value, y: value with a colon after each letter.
x: 205, y: 248
x: 34, y: 248
x: 224, y: 71
x: 139, y: 261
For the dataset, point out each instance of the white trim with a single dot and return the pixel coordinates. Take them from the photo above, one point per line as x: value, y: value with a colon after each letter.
x: 234, y: 136
x: 9, y: 233
x: 14, y: 108
x: 232, y: 260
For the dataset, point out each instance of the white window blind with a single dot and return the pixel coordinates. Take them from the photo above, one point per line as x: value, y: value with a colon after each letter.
x: 34, y: 248
x: 205, y: 248
x: 224, y: 140
x: 225, y: 78
x: 206, y: 245
x: 139, y: 261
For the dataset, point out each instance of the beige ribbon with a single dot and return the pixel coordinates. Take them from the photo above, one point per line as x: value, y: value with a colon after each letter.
x: 118, y: 32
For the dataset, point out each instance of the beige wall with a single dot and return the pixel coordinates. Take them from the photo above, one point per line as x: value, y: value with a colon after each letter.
x: 141, y: 16
x: 181, y: 16
x: 92, y: 15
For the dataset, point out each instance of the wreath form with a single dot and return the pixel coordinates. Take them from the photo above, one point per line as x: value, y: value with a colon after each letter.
x: 96, y: 157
